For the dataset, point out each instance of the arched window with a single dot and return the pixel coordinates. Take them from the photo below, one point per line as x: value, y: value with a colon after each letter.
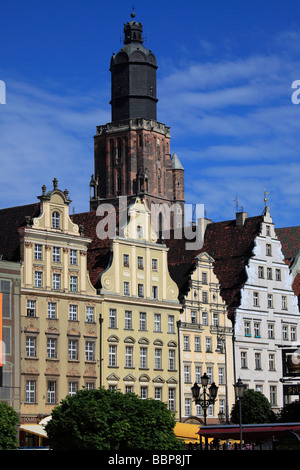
x: 55, y: 220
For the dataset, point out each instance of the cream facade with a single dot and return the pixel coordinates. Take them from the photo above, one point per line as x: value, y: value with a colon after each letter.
x: 206, y: 344
x: 140, y: 314
x: 59, y: 309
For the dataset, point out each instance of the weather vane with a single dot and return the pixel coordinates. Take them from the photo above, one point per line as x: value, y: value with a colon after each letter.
x: 265, y: 198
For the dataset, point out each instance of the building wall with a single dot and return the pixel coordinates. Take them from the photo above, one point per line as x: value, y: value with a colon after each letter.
x: 59, y: 310
x: 140, y: 314
x: 10, y: 282
x: 268, y: 317
x: 206, y: 343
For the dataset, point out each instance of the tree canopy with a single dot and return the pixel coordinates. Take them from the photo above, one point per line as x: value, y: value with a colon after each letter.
x: 290, y: 413
x: 8, y: 427
x: 109, y: 420
x: 256, y: 409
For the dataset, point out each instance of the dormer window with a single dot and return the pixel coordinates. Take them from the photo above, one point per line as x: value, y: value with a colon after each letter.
x: 55, y: 220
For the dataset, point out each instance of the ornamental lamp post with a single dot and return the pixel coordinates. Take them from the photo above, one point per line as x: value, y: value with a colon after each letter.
x: 205, y: 399
x: 239, y: 394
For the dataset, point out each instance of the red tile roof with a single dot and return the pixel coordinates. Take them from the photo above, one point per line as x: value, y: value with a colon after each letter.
x: 290, y: 241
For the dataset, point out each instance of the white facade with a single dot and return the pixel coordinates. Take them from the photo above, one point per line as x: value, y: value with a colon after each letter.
x: 267, y: 319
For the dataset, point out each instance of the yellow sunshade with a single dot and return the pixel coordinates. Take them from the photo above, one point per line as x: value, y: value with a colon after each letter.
x: 187, y: 432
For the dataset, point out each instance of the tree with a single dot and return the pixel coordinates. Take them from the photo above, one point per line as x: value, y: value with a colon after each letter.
x: 256, y: 409
x: 290, y: 413
x: 109, y: 420
x: 8, y: 427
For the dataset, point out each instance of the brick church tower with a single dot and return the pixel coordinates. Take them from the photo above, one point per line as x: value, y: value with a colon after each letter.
x: 132, y: 152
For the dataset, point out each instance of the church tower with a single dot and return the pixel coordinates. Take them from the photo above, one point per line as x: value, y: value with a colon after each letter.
x: 132, y: 152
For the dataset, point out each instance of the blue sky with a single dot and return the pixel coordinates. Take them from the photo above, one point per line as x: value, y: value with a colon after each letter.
x: 224, y: 86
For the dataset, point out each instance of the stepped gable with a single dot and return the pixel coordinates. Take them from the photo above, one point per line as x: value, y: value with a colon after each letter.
x: 230, y: 246
x: 10, y: 220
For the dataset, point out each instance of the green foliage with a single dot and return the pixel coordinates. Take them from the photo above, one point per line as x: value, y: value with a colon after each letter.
x: 109, y: 420
x: 8, y: 427
x: 290, y: 413
x: 256, y: 409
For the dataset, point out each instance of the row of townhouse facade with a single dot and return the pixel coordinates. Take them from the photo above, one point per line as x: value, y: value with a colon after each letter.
x: 80, y: 311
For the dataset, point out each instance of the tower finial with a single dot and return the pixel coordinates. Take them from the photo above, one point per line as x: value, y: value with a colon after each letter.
x: 133, y: 14
x: 265, y: 198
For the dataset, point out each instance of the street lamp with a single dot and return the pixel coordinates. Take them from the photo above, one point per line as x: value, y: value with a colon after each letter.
x: 205, y: 399
x: 239, y: 394
x: 221, y: 341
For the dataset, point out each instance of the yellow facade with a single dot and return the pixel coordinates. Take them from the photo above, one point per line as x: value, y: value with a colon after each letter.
x: 59, y: 309
x: 206, y: 343
x: 140, y: 314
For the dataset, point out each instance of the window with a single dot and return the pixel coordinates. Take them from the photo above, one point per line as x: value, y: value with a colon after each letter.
x: 187, y: 374
x: 171, y: 399
x: 56, y: 281
x: 209, y: 373
x: 255, y: 299
x: 244, y: 360
x: 129, y: 356
x: 293, y: 333
x: 51, y: 310
x: 272, y: 361
x: 186, y: 343
x: 112, y: 356
x: 73, y: 312
x: 170, y: 323
x: 154, y: 292
x: 56, y: 254
x: 204, y: 297
x: 126, y: 261
x: 128, y: 389
x: 187, y: 406
x: 31, y: 310
x: 51, y: 392
x: 140, y: 262
x: 268, y: 230
x: 157, y: 394
x: 38, y: 279
x: 154, y: 264
x: 171, y: 359
x: 198, y: 374
x: 215, y: 319
x: 204, y: 278
x: 89, y: 314
x: 157, y: 358
x: 51, y: 348
x: 285, y: 332
x: 257, y: 330
x: 157, y: 322
x: 73, y: 257
x: 143, y: 358
x: 6, y: 297
x: 140, y: 290
x: 257, y: 360
x: 73, y: 349
x: 269, y: 273
x: 260, y: 272
x: 55, y: 220
x: 143, y: 322
x: 193, y: 317
x: 112, y: 321
x: 126, y: 288
x: 128, y: 320
x: 73, y: 387
x: 284, y: 302
x: 89, y: 351
x: 270, y: 331
x: 278, y: 274
x: 221, y: 376
x: 247, y: 328
x: 30, y: 346
x: 197, y: 343
x: 204, y: 319
x: 38, y: 253
x: 30, y: 391
x: 270, y: 301
x: 273, y: 395
x: 73, y: 283
x: 139, y: 231
x: 208, y: 346
x: 268, y: 249
x: 144, y: 393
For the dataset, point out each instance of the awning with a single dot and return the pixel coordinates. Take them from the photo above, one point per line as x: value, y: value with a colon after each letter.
x: 36, y: 429
x: 187, y: 432
x: 262, y: 432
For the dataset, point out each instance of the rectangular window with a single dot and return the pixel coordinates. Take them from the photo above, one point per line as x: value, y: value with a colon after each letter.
x: 51, y: 392
x: 284, y: 302
x: 198, y: 374
x: 270, y: 331
x: 51, y: 310
x: 170, y: 323
x: 126, y: 261
x: 31, y: 308
x: 140, y: 290
x: 112, y: 321
x: 215, y: 319
x: 56, y: 281
x: 73, y: 387
x: 257, y: 330
x: 285, y: 332
x: 112, y: 356
x: 51, y: 348
x: 208, y: 346
x: 38, y: 279
x: 73, y: 257
x: 143, y: 358
x: 186, y: 343
x: 143, y: 322
x: 278, y: 275
x: 38, y: 253
x: 30, y: 391
x: 140, y: 262
x: 244, y: 360
x: 129, y: 356
x: 270, y: 301
x: 257, y: 359
x: 144, y: 393
x: 187, y: 374
x: 193, y: 317
x: 126, y: 288
x: 73, y: 283
x: 268, y: 249
x: 89, y: 351
x: 272, y: 361
x: 273, y: 395
x: 171, y: 399
x: 187, y: 406
x: 157, y: 358
x: 154, y: 292
x: 73, y: 350
x: 255, y: 299
x: 260, y: 272
x: 154, y: 264
x: 204, y: 278
x: 221, y: 376
x: 204, y: 297
x: 197, y: 343
x: 128, y: 320
x: 30, y: 346
x: 293, y: 333
x: 171, y: 359
x: 157, y: 322
x: 73, y: 312
x: 56, y: 254
x: 89, y: 314
x: 204, y: 319
x: 269, y: 274
x: 157, y: 393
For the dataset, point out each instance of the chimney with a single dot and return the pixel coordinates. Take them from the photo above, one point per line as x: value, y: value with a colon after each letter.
x: 240, y: 218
